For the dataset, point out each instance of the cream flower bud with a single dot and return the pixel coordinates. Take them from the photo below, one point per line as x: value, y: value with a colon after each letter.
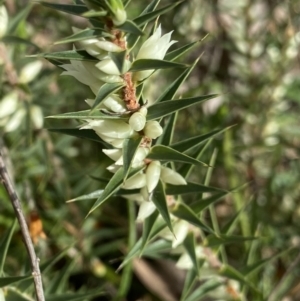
x: 30, y: 71
x: 144, y: 111
x: 138, y: 159
x: 115, y: 104
x: 137, y: 121
x: 120, y: 17
x: 144, y: 192
x: 8, y: 104
x: 153, y: 129
x: 170, y: 176
x: 3, y: 20
x: 108, y: 66
x: 37, y: 117
x: 146, y: 209
x: 180, y: 229
x: 15, y: 120
x: 114, y: 154
x: 113, y: 168
x: 108, y: 46
x: 153, y: 175
x: 135, y: 182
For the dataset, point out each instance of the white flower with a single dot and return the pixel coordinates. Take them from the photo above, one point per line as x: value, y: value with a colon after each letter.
x: 135, y: 182
x: 153, y: 129
x: 3, y: 20
x: 137, y: 121
x: 120, y: 17
x: 29, y: 72
x: 153, y: 48
x: 170, y: 176
x: 109, y: 67
x: 15, y: 120
x: 145, y: 210
x: 152, y: 175
x: 115, y: 104
x: 8, y: 104
x: 37, y: 117
x: 114, y: 154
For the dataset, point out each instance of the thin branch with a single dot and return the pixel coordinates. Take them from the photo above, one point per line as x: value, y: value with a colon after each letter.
x: 34, y: 260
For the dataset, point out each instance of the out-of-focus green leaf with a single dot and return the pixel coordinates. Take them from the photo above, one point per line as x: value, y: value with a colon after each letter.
x: 160, y: 202
x: 190, y: 279
x: 4, y: 244
x: 90, y: 196
x: 155, y: 249
x: 94, y: 13
x: 12, y: 294
x: 77, y: 55
x: 119, y: 59
x: 149, y: 64
x: 87, y: 114
x: 192, y: 188
x: 81, y: 35
x: 167, y: 135
x: 184, y: 212
x: 130, y: 147
x: 142, y: 19
x: 166, y: 108
x: 115, y: 182
x: 167, y: 154
x: 103, y: 92
x: 131, y: 27
x: 18, y: 40
x: 213, y: 240
x: 76, y: 296
x: 185, y: 145
x: 190, y: 246
x: 15, y: 21
x: 4, y: 281
x: 171, y: 90
x: 66, y: 8
x: 147, y: 228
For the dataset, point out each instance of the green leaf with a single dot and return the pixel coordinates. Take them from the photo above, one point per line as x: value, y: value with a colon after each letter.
x: 200, y: 205
x: 69, y: 9
x: 149, y: 64
x: 160, y: 202
x: 173, y: 55
x: 15, y: 21
x: 184, y: 212
x: 171, y: 90
x: 190, y: 279
x: 142, y: 19
x: 168, y: 107
x: 87, y: 114
x: 94, y: 14
x: 119, y: 59
x: 115, y: 182
x: 165, y: 153
x: 167, y: 135
x: 18, y: 40
x: 194, y: 188
x: 85, y: 134
x: 213, y: 240
x: 81, y: 35
x: 147, y: 228
x: 130, y: 148
x: 186, y: 145
x: 190, y: 246
x: 90, y: 196
x: 103, y: 92
x: 4, y: 281
x: 77, y: 55
x: 76, y: 296
x: 131, y: 27
x: 4, y: 244
x: 155, y: 249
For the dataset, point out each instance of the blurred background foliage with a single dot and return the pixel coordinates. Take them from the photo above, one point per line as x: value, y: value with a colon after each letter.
x: 250, y: 57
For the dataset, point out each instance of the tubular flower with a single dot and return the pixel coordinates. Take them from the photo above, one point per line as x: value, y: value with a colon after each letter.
x: 155, y: 47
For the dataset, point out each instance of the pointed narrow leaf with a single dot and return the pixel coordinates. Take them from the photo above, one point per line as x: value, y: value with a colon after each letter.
x: 173, y: 55
x: 185, y: 145
x: 85, y: 134
x: 190, y: 247
x: 152, y: 15
x: 18, y: 40
x: 131, y: 27
x: 81, y: 35
x: 184, y: 212
x: 200, y: 205
x: 130, y: 147
x: 171, y: 90
x: 213, y: 240
x: 149, y: 64
x: 4, y: 281
x: 77, y: 55
x: 147, y: 228
x: 114, y: 184
x: 192, y: 188
x: 160, y: 202
x: 190, y: 279
x: 103, y: 92
x: 4, y: 244
x: 119, y: 59
x: 69, y: 9
x: 15, y: 21
x: 86, y: 114
x: 90, y: 196
x: 167, y: 135
x: 168, y: 107
x: 157, y: 248
x: 76, y: 296
x: 165, y: 153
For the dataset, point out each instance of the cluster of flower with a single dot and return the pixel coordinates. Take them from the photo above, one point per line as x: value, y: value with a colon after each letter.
x: 115, y: 131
